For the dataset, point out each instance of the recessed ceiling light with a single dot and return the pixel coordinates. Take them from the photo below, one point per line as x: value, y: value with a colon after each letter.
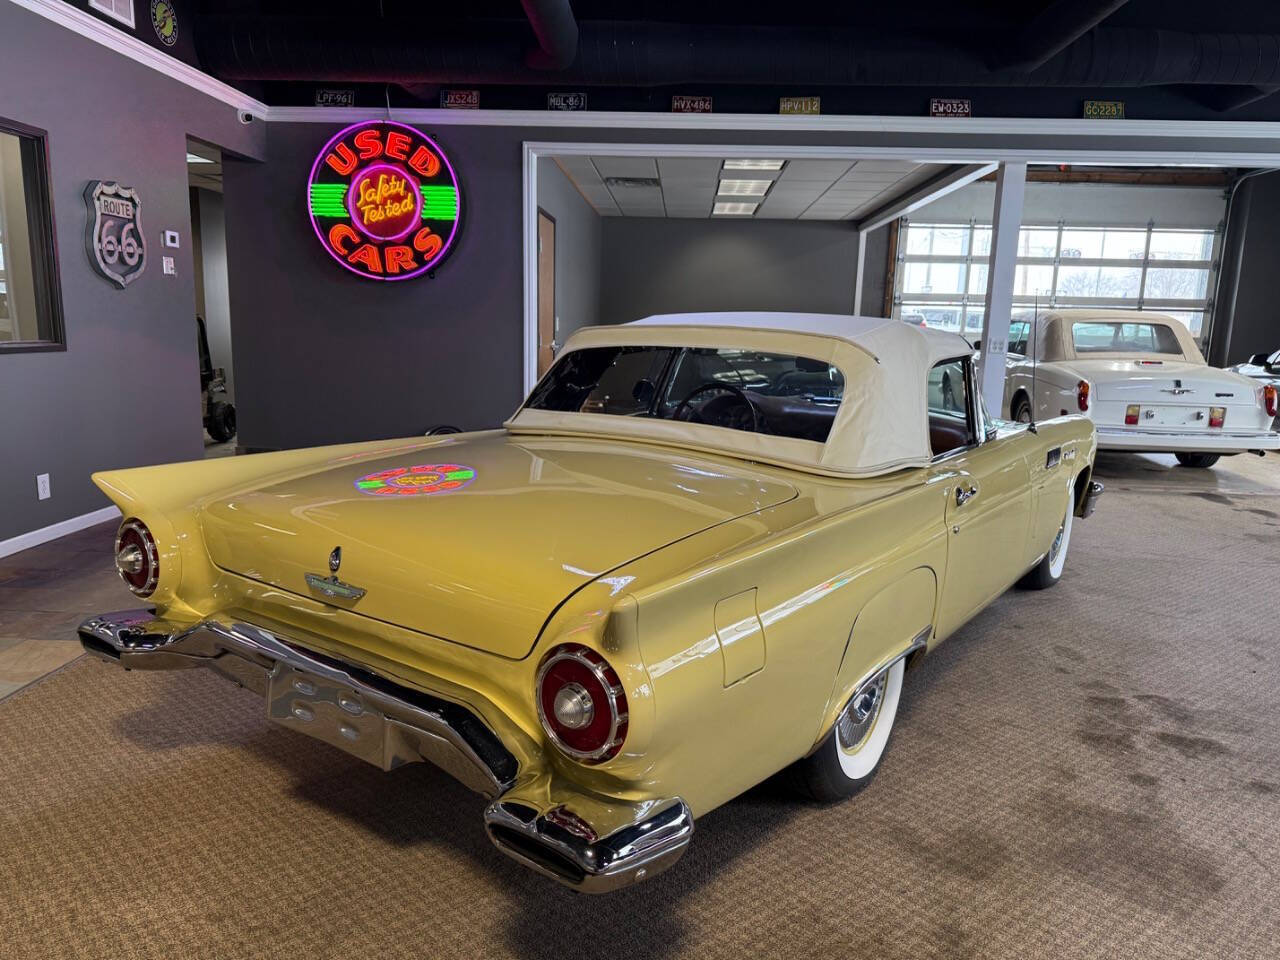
x: 192, y: 158
x: 734, y: 208
x: 753, y: 164
x: 743, y: 188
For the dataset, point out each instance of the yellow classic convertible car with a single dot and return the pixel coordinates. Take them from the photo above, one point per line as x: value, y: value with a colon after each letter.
x: 704, y: 550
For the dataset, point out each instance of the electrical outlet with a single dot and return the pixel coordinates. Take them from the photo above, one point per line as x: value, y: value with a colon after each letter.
x: 42, y: 486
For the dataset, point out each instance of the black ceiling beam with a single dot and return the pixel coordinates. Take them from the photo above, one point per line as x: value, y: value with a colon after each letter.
x: 643, y: 54
x: 557, y: 32
x: 1225, y: 99
x: 1051, y: 31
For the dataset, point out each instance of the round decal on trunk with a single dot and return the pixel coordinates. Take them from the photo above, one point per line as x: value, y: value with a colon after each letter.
x: 426, y: 478
x: 383, y: 200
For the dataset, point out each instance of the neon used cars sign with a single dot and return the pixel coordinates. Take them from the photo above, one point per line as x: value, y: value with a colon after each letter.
x: 384, y: 200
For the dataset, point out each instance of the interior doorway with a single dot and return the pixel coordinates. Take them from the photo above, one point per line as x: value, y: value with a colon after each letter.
x: 212, y: 331
x: 546, y: 290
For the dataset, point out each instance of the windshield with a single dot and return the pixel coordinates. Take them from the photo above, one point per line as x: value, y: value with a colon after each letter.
x: 751, y: 390
x: 1120, y: 337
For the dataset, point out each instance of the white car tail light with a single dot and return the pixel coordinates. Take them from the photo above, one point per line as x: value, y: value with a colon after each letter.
x: 581, y: 703
x: 1271, y: 400
x: 1082, y: 395
x: 1131, y: 414
x: 1217, y: 416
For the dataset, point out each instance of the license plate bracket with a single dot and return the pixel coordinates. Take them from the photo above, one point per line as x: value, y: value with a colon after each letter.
x: 327, y: 710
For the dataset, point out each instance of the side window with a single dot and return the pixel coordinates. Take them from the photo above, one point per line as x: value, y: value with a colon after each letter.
x: 30, y: 295
x: 1018, y: 337
x: 950, y: 423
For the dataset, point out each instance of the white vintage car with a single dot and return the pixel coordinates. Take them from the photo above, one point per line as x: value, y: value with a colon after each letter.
x: 1143, y: 382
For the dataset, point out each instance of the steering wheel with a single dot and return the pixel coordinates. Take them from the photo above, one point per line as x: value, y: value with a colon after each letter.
x: 736, y: 393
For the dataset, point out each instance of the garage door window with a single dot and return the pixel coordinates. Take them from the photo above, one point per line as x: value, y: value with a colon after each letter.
x: 30, y: 304
x: 942, y: 275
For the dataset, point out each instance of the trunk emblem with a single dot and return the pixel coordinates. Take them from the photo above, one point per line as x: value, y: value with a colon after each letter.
x: 331, y: 586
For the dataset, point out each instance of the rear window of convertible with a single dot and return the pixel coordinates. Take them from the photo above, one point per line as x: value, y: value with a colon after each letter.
x: 776, y: 394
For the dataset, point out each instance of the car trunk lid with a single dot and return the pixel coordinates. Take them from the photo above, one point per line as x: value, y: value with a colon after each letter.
x: 478, y: 540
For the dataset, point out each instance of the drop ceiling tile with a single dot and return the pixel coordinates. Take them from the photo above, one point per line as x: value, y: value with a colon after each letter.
x: 821, y: 170
x: 626, y: 166
x: 902, y: 165
x: 578, y: 169
x: 689, y: 169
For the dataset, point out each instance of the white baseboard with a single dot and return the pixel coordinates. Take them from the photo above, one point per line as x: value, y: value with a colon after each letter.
x: 55, y: 530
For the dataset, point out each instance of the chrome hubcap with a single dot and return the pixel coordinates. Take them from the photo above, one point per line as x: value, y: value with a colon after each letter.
x: 1057, y: 542
x: 859, y: 716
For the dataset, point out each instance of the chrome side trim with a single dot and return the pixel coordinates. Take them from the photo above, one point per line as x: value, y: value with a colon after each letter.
x: 918, y: 642
x: 402, y: 725
x: 558, y: 844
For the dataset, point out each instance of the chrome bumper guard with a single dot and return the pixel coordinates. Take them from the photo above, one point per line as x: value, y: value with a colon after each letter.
x: 561, y: 845
x: 389, y: 725
x: 1090, y: 500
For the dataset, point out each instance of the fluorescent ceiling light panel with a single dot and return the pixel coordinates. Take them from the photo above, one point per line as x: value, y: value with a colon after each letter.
x: 743, y: 188
x: 753, y: 164
x: 192, y: 158
x: 734, y: 208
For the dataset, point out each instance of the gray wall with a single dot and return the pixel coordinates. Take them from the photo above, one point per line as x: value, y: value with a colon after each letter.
x: 126, y: 389
x: 325, y: 356
x: 578, y: 237
x: 217, y: 305
x: 675, y: 265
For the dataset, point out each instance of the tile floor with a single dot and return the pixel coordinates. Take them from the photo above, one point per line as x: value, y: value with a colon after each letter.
x: 45, y: 593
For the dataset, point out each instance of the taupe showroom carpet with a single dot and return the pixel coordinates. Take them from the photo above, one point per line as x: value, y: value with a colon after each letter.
x: 1087, y: 772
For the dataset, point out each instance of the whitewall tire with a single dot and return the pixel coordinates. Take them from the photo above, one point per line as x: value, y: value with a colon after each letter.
x: 847, y: 760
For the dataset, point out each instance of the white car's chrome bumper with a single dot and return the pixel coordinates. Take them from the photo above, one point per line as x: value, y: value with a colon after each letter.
x: 1171, y: 441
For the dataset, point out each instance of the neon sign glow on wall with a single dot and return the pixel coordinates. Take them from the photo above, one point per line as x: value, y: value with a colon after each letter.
x: 384, y: 200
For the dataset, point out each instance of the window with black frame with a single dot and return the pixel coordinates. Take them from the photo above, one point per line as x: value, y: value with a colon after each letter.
x: 756, y: 391
x: 30, y: 301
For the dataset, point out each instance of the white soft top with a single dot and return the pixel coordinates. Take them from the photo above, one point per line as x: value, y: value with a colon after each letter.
x: 1054, y: 340
x: 881, y: 424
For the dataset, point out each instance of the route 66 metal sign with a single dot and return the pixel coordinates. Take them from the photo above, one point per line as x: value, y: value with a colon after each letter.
x: 116, y: 245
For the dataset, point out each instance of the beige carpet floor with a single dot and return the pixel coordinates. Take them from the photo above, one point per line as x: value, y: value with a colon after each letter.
x: 1088, y: 772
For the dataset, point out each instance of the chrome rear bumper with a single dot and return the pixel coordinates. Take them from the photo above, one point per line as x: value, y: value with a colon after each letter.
x: 560, y: 844
x: 588, y: 843
x: 355, y: 710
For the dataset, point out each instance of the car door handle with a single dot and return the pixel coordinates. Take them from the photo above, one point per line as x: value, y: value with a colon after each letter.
x: 965, y: 494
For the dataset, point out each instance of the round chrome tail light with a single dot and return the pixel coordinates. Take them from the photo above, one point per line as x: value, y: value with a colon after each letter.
x: 136, y: 557
x: 581, y: 703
